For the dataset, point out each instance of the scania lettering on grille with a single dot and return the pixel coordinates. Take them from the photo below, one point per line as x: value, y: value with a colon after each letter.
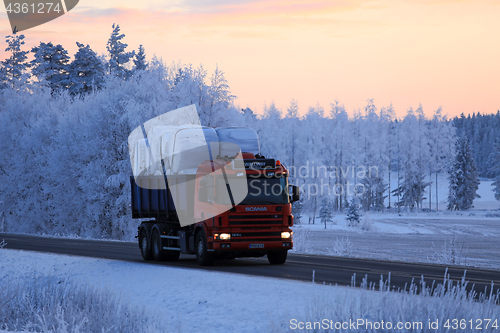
x: 256, y: 209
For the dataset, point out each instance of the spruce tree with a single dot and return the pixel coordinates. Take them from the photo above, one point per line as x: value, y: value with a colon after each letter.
x: 86, y: 72
x: 463, y: 177
x: 140, y: 60
x: 118, y: 58
x: 50, y: 65
x: 353, y: 213
x: 14, y: 69
x: 325, y: 212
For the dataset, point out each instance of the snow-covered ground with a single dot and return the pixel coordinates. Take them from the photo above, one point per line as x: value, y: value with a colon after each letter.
x: 184, y: 300
x: 463, y: 238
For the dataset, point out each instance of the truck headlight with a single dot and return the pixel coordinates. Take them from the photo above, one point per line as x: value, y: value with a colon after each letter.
x: 222, y: 237
x: 286, y: 235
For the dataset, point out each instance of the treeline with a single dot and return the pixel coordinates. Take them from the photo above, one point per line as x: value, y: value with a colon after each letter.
x: 483, y: 132
x: 52, y: 67
x: 336, y: 157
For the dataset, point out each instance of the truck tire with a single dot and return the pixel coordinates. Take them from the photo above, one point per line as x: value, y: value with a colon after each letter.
x: 159, y: 253
x: 277, y: 257
x: 156, y: 246
x: 145, y: 246
x: 203, y: 257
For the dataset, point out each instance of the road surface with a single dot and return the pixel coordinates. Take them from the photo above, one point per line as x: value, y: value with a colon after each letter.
x: 328, y: 270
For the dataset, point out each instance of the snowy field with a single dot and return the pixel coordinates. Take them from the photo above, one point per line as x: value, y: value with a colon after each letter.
x: 461, y: 238
x: 182, y: 300
x: 486, y: 201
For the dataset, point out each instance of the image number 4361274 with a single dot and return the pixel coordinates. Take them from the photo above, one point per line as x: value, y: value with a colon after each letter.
x: 25, y: 14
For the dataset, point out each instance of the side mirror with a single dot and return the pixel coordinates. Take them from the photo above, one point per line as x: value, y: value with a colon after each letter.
x: 295, y: 191
x: 202, y: 193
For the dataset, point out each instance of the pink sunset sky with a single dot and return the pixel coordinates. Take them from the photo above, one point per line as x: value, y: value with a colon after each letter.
x: 405, y: 52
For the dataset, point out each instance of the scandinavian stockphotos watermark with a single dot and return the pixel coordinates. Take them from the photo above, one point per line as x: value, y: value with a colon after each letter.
x: 26, y: 14
x: 321, y: 180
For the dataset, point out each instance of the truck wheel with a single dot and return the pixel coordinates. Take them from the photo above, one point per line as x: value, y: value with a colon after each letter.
x: 277, y: 258
x: 145, y: 246
x: 203, y: 257
x: 156, y: 246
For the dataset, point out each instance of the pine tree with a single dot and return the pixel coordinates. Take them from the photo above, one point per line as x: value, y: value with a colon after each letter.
x: 325, y: 213
x: 118, y: 58
x: 86, y: 72
x: 353, y: 213
x: 14, y: 69
x: 50, y: 65
x: 140, y: 60
x: 463, y: 177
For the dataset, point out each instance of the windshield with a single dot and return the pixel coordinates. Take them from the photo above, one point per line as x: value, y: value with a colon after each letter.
x: 261, y: 191
x: 271, y: 191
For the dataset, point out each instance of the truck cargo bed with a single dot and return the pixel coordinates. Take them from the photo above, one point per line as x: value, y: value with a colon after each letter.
x: 152, y: 199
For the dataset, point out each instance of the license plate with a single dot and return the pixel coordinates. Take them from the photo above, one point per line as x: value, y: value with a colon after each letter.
x: 256, y: 246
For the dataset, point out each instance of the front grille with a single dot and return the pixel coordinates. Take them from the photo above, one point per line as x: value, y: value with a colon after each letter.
x: 244, y: 220
x: 243, y: 217
x: 255, y: 236
x: 255, y: 222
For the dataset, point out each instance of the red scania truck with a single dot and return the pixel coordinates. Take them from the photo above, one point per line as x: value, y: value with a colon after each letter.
x: 255, y: 225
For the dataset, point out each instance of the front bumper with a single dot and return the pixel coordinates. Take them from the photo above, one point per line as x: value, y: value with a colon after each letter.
x: 252, y: 245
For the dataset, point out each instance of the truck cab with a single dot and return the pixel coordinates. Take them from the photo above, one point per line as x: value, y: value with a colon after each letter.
x: 256, y: 226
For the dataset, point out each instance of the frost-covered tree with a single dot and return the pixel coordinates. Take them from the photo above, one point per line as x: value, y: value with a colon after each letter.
x: 220, y: 97
x: 297, y: 208
x: 326, y: 212
x: 312, y: 148
x: 441, y: 136
x: 413, y: 156
x: 118, y: 57
x: 271, y: 123
x: 341, y: 144
x: 86, y: 71
x: 140, y: 60
x: 50, y: 65
x: 14, y: 69
x: 291, y: 127
x: 353, y: 213
x: 463, y: 177
x: 374, y: 193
